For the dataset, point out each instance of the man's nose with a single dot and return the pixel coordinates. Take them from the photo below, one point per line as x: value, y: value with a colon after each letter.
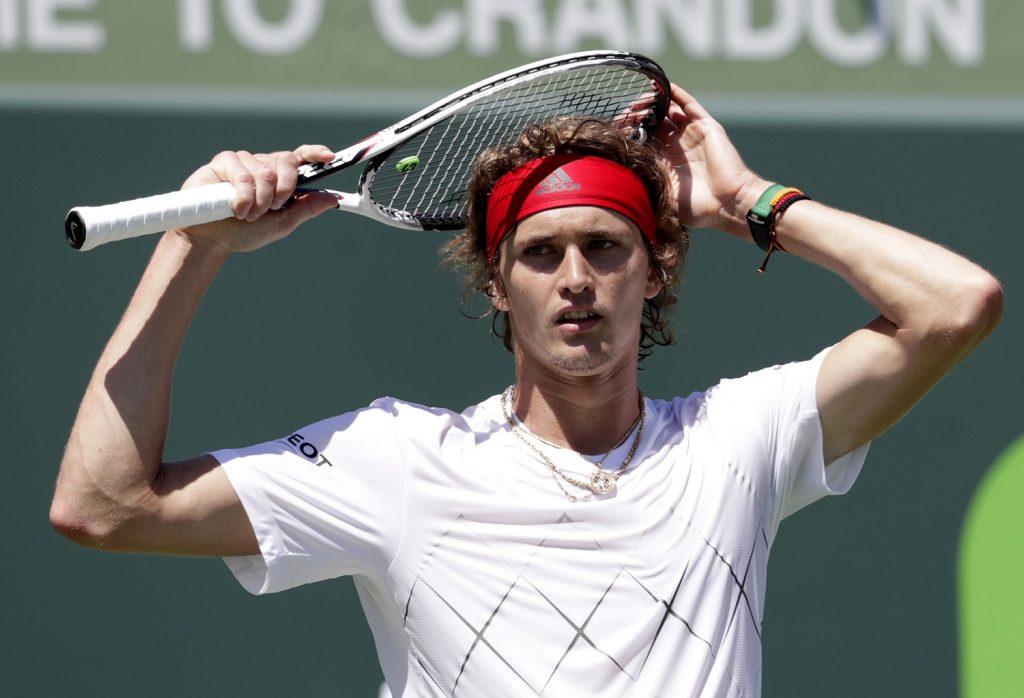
x: 577, y: 274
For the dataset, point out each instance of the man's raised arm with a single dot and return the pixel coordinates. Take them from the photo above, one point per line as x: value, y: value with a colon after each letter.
x: 114, y: 491
x: 934, y: 306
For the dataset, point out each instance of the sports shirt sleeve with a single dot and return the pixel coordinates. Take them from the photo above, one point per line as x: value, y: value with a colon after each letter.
x: 324, y: 501
x: 770, y: 421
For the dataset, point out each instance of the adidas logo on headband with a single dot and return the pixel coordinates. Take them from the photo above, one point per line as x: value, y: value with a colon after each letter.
x: 555, y: 182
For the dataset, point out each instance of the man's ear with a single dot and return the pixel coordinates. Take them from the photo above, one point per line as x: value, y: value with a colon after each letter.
x: 496, y: 290
x: 656, y: 281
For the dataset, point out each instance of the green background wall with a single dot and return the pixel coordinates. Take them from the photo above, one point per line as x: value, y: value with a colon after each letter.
x: 862, y: 598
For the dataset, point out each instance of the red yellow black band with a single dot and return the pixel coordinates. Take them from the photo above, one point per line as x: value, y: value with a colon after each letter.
x: 761, y: 218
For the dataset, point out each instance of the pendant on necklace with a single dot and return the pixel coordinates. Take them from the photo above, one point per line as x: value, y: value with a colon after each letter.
x: 602, y: 482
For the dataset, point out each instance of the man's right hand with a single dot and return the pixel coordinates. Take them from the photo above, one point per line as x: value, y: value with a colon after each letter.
x: 263, y: 183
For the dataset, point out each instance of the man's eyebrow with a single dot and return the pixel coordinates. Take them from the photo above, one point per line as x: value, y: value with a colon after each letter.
x: 604, y: 232
x: 542, y: 238
x: 531, y: 239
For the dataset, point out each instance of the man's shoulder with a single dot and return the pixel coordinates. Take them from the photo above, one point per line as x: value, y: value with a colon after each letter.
x: 402, y: 407
x: 730, y: 394
x: 797, y: 370
x: 407, y: 415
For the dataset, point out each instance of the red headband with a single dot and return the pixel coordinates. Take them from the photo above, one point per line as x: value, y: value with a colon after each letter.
x: 566, y: 180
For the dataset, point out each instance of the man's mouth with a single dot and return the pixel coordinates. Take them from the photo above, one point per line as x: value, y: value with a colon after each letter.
x: 577, y: 316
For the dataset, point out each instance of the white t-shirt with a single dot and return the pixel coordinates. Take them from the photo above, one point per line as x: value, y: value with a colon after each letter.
x: 479, y: 578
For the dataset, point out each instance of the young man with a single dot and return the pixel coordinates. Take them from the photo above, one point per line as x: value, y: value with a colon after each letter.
x: 569, y: 536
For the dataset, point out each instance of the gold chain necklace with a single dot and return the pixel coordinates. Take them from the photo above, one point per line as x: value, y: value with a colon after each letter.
x: 602, y: 481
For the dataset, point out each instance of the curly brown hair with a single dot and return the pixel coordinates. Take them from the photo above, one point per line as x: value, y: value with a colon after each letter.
x: 467, y: 252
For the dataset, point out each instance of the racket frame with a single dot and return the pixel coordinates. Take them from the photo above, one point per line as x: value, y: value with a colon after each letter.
x: 373, y: 149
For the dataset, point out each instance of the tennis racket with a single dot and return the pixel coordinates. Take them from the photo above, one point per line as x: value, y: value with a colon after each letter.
x: 417, y: 170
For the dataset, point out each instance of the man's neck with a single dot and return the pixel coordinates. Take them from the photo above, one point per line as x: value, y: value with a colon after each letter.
x: 587, y: 415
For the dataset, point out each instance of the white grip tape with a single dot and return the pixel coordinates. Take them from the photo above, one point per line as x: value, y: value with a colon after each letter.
x: 153, y: 214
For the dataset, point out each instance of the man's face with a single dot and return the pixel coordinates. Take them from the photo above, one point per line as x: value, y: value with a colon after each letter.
x: 573, y: 281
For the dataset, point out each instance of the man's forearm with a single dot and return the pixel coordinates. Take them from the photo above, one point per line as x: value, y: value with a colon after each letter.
x: 116, y: 445
x: 915, y: 284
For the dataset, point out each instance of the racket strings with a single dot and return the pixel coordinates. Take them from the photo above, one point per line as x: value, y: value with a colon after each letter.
x: 504, y: 117
x: 433, y: 192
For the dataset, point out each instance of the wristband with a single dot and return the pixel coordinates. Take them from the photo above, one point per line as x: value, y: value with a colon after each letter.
x: 762, y: 216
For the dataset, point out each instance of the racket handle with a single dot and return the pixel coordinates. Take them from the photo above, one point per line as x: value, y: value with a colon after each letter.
x: 87, y: 227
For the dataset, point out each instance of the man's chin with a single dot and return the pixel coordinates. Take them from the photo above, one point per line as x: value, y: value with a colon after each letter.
x: 581, y: 362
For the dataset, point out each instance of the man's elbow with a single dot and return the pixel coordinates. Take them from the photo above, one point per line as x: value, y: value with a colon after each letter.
x: 78, y: 526
x: 981, y: 302
x: 94, y: 521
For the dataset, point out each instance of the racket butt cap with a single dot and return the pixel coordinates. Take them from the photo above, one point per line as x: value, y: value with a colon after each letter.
x: 74, y: 229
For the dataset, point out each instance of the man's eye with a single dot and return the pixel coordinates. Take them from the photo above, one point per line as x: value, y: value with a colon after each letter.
x: 601, y: 244
x: 533, y: 250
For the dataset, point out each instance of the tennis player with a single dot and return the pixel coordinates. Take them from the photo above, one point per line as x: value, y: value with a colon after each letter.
x: 568, y: 535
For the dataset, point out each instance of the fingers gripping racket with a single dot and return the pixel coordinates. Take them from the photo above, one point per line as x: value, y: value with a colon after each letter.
x: 417, y: 170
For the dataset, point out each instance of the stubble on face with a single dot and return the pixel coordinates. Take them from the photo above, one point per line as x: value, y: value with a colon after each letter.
x: 582, y: 363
